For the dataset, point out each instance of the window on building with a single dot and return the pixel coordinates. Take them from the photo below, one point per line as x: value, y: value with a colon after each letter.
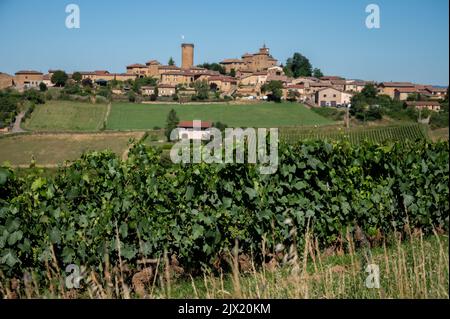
x: 324, y: 95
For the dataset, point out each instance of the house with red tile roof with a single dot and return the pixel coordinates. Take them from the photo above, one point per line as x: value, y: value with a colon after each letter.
x: 420, y: 105
x: 28, y: 78
x: 402, y: 93
x: 388, y: 88
x: 196, y: 130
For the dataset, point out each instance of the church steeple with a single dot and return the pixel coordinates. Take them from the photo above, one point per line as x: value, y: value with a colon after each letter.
x: 264, y: 49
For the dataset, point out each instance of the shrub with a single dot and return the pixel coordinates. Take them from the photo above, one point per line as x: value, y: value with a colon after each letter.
x: 131, y: 97
x: 87, y: 83
x: 220, y: 126
x: 34, y: 96
x: 105, y: 92
x: 76, y: 76
x: 42, y: 87
x: 29, y: 111
x: 439, y: 119
x: 100, y: 99
x: 8, y: 107
x: 72, y: 89
x: 64, y: 96
x: 166, y: 146
x: 330, y: 113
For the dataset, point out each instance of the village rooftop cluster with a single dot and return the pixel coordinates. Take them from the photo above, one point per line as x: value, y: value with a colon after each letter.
x: 244, y: 79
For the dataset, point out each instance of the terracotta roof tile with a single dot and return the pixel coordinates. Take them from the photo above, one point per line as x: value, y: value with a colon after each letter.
x: 406, y: 90
x: 136, y: 65
x: 28, y: 72
x: 190, y: 124
x: 422, y: 103
x: 232, y: 61
x: 397, y: 84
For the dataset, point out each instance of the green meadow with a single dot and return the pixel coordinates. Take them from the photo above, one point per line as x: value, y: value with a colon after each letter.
x: 128, y: 116
x: 66, y: 116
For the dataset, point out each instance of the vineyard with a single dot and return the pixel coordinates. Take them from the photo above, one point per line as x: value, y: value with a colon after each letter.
x: 143, y: 207
x: 357, y: 135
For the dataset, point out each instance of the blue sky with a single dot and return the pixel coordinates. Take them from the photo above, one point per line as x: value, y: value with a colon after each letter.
x: 411, y: 45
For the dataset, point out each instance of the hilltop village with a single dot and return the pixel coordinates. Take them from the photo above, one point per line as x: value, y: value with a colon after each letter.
x: 242, y: 78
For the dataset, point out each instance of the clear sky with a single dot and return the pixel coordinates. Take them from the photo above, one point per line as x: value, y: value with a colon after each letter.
x: 411, y: 45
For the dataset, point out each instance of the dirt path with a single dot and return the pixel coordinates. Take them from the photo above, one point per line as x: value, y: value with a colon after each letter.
x: 16, y: 127
x: 108, y: 110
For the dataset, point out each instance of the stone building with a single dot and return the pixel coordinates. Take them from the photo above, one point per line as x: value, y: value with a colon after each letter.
x: 124, y: 76
x: 147, y: 90
x: 153, y: 68
x: 6, y: 80
x: 332, y: 97
x: 402, y: 94
x: 356, y: 85
x: 28, y: 78
x: 106, y: 76
x: 234, y: 64
x: 140, y: 70
x: 177, y: 77
x: 256, y: 62
x: 429, y: 105
x: 166, y: 90
x: 225, y: 84
x: 255, y: 79
x: 389, y: 88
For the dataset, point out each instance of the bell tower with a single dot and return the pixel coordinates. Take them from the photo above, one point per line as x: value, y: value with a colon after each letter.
x: 187, y: 55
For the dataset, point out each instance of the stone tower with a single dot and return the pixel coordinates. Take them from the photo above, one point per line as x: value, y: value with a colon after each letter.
x: 187, y: 55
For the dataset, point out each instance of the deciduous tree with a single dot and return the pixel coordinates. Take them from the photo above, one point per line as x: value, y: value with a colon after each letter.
x: 59, y: 78
x: 201, y: 90
x: 274, y: 88
x: 172, y: 122
x: 213, y: 67
x: 298, y: 66
x: 76, y: 76
x: 317, y: 73
x: 42, y: 87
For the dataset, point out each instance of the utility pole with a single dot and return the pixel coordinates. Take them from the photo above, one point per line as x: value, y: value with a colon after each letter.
x: 347, y: 117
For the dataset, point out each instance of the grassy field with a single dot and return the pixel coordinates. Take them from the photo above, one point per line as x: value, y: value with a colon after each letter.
x: 128, y: 116
x: 440, y: 134
x: 53, y: 149
x: 66, y: 116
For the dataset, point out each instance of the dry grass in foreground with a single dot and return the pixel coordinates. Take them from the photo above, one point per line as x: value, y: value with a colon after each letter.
x: 415, y: 267
x: 51, y: 150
